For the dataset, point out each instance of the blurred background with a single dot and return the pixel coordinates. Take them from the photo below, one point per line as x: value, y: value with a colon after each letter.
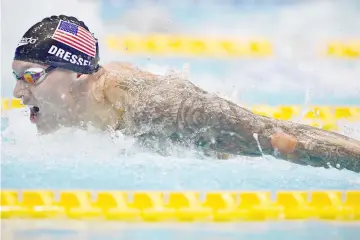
x: 252, y: 51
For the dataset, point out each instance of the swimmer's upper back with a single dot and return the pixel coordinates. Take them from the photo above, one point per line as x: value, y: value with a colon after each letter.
x: 116, y: 86
x: 125, y: 80
x: 124, y: 87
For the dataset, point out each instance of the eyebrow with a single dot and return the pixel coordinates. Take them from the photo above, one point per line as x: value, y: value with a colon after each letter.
x: 22, y: 68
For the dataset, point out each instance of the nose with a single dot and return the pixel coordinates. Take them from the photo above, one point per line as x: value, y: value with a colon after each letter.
x: 20, y: 90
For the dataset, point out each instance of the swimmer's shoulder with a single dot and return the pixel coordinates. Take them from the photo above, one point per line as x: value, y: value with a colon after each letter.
x: 118, y: 80
x: 126, y: 69
x: 123, y: 75
x: 118, y: 66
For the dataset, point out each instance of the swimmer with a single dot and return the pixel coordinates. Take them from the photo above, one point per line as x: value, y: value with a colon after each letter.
x: 56, y: 65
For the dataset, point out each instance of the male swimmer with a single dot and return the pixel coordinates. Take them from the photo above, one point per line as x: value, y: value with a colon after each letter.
x: 56, y: 65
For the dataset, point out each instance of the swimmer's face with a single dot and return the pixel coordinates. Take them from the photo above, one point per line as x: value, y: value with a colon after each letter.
x: 51, y: 96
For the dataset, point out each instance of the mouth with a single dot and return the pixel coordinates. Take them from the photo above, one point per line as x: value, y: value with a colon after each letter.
x: 34, y: 114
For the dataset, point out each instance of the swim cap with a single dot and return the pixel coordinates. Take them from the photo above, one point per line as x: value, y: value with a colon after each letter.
x: 60, y: 41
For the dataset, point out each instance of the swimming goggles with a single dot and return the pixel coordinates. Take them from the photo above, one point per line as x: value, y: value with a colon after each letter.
x: 34, y: 75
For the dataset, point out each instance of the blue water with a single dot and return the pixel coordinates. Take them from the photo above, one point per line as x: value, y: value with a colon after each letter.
x: 253, y: 231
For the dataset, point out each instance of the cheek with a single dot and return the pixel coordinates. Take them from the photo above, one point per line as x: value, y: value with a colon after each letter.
x: 45, y: 93
x: 54, y: 90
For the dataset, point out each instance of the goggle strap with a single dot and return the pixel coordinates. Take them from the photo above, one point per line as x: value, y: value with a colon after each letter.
x: 50, y: 68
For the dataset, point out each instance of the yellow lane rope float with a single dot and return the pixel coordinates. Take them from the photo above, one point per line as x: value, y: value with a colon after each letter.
x: 172, y: 45
x: 181, y: 206
x: 344, y: 49
x: 214, y: 46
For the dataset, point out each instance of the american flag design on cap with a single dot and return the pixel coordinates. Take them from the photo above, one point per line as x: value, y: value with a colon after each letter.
x: 76, y: 37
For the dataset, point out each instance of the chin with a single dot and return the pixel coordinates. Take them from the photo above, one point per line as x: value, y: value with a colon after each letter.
x: 45, y: 124
x: 45, y: 129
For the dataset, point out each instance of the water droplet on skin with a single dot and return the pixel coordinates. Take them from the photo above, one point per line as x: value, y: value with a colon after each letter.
x: 255, y: 135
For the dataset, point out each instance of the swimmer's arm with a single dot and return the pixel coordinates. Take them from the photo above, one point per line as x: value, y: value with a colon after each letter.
x: 316, y: 147
x: 232, y: 129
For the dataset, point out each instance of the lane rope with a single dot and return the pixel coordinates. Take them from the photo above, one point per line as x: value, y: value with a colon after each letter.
x: 181, y: 206
x: 213, y: 46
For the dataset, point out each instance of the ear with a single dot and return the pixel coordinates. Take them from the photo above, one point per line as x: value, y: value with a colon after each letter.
x: 79, y: 80
x: 78, y: 77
